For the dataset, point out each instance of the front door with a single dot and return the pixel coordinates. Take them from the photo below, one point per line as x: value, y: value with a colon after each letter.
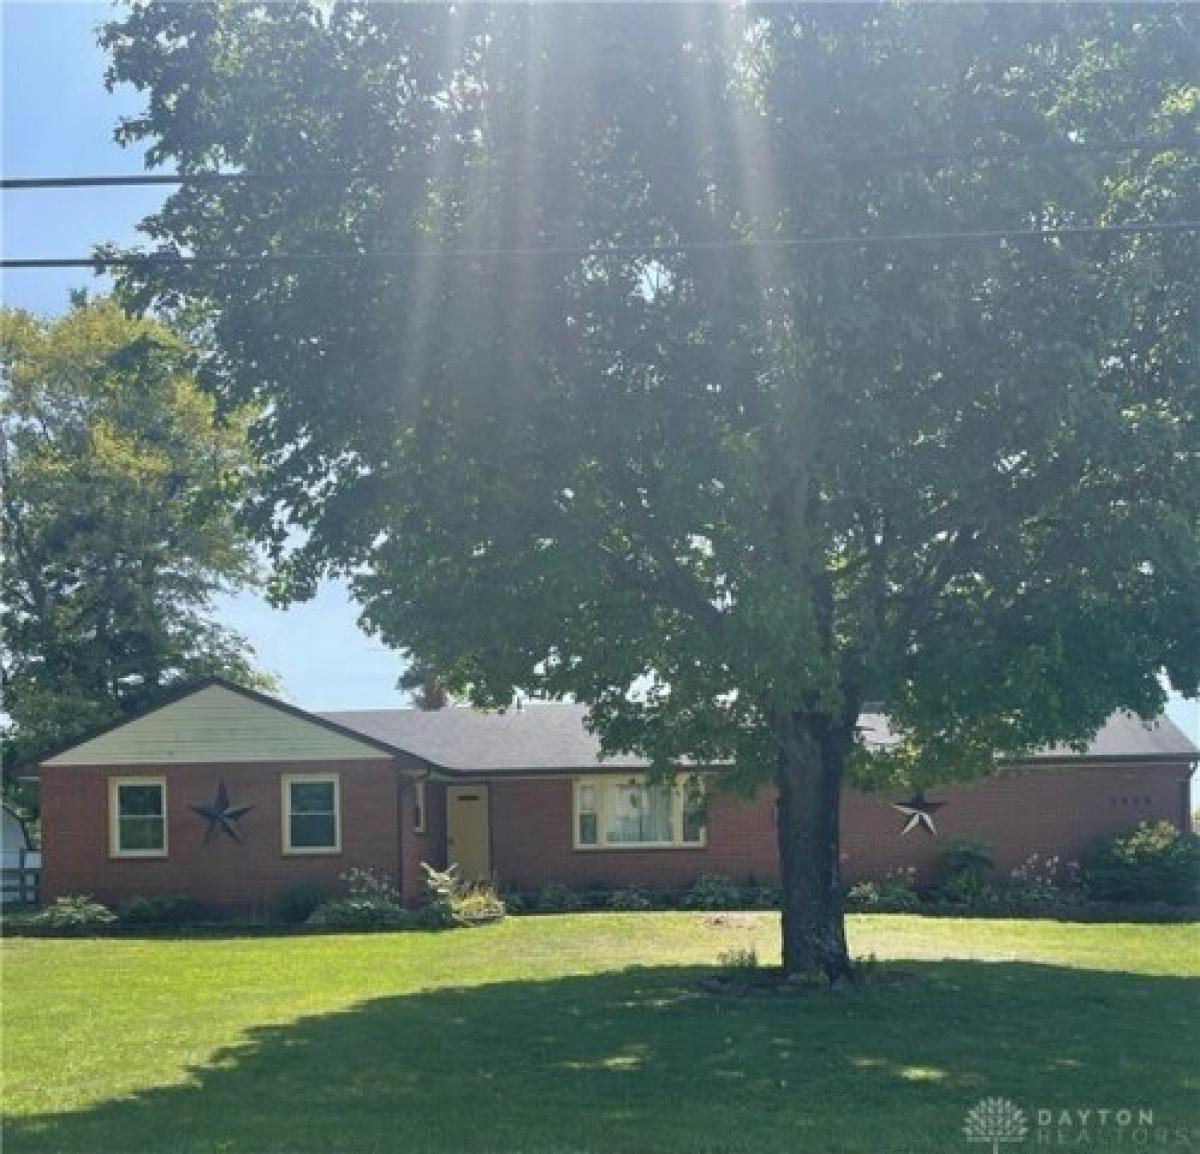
x: 468, y: 831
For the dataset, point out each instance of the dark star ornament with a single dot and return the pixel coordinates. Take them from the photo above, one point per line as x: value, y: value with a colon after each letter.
x: 919, y: 813
x: 221, y: 815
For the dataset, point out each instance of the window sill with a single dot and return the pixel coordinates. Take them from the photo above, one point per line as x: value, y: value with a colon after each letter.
x: 312, y: 851
x: 137, y: 855
x: 624, y: 847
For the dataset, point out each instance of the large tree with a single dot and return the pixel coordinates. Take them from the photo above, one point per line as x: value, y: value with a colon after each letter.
x: 549, y: 370
x: 120, y: 487
x: 424, y: 687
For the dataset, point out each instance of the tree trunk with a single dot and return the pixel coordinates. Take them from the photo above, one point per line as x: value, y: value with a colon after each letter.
x: 813, y: 757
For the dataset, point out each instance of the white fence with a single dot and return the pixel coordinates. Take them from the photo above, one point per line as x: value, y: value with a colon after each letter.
x: 20, y: 873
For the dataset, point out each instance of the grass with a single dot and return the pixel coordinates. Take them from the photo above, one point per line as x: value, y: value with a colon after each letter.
x: 584, y: 1033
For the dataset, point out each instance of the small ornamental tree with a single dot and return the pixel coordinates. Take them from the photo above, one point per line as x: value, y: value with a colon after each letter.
x: 555, y: 372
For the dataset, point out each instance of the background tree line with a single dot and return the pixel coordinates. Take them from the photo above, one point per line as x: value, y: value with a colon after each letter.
x: 119, y: 511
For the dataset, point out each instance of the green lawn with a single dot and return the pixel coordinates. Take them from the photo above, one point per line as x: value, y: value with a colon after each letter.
x: 585, y: 1033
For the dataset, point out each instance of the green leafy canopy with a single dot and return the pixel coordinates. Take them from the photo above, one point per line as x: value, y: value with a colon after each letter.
x: 120, y: 490
x: 755, y: 481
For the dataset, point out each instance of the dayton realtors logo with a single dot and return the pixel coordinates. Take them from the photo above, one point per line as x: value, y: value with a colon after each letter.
x: 999, y: 1122
x: 996, y: 1121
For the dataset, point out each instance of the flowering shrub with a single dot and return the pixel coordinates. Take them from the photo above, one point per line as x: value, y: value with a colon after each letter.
x: 895, y: 893
x: 369, y: 883
x: 75, y: 914
x: 358, y: 913
x: 1153, y: 863
x: 1045, y: 880
x: 373, y: 903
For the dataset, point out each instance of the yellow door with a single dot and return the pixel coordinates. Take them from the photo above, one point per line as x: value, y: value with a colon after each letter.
x: 468, y: 832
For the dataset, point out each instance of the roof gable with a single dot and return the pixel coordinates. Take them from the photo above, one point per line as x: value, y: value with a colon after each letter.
x: 220, y: 722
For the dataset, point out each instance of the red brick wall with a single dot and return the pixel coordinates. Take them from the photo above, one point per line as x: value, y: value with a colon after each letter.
x: 415, y: 847
x: 225, y: 875
x: 1018, y: 813
x: 532, y: 843
x: 1046, y: 811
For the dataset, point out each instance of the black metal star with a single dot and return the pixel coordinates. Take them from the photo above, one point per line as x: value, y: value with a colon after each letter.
x: 221, y: 815
x: 919, y: 813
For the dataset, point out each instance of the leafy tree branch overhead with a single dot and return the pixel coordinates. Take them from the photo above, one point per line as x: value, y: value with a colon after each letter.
x: 119, y: 495
x: 770, y: 483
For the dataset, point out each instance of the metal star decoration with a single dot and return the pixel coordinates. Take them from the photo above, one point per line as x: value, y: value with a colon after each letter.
x: 221, y: 815
x: 919, y: 813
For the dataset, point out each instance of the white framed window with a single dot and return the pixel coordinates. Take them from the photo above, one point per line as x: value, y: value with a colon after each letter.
x: 419, y: 807
x: 312, y: 813
x: 137, y: 816
x: 630, y: 812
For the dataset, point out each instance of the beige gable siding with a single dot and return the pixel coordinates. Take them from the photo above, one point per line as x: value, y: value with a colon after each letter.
x: 215, y: 724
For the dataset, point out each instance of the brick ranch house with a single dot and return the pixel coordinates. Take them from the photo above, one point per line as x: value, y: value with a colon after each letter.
x: 233, y: 797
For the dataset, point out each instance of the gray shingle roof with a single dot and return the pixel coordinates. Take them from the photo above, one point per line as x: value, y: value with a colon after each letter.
x: 551, y: 735
x: 542, y: 735
x: 1122, y: 735
x: 1127, y: 735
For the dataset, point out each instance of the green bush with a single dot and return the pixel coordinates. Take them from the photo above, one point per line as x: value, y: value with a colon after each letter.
x: 437, y: 910
x: 476, y: 905
x: 1152, y: 863
x: 894, y: 895
x: 371, y: 883
x: 360, y: 913
x: 714, y: 892
x: 966, y: 855
x: 964, y: 866
x: 161, y: 910
x: 630, y: 898
x: 557, y: 899
x: 967, y: 890
x: 293, y: 907
x: 451, y: 902
x: 594, y: 896
x: 75, y: 914
x: 1044, y: 881
x: 764, y: 897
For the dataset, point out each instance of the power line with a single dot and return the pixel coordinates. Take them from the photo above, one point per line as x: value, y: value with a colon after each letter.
x: 401, y: 256
x: 918, y: 156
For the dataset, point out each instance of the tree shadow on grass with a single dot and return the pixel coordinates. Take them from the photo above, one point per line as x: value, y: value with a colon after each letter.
x: 639, y: 1060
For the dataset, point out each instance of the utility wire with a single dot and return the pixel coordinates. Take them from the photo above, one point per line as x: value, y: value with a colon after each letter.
x: 401, y: 256
x: 919, y: 156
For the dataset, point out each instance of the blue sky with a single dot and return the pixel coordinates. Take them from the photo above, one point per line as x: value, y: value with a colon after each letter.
x: 58, y: 119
